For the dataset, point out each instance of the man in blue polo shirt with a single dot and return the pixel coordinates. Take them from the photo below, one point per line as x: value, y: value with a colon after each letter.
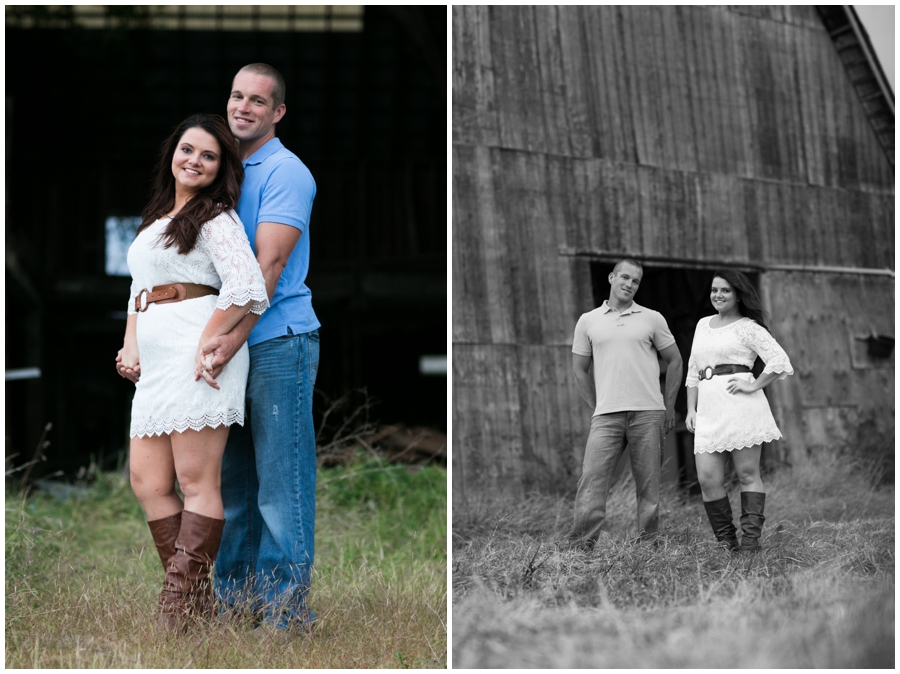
x: 623, y: 342
x: 269, y: 467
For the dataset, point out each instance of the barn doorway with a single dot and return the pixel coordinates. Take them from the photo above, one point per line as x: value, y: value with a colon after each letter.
x: 681, y: 295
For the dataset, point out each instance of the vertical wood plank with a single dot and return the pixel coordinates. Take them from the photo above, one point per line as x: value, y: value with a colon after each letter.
x: 552, y: 79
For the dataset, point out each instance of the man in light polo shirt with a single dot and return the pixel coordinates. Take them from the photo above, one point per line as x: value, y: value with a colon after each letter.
x: 269, y: 468
x: 622, y: 340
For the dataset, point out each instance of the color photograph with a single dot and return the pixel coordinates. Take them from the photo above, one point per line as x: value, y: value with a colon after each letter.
x: 226, y: 336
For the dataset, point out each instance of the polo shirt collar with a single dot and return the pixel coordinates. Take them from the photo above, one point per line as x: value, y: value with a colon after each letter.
x: 263, y: 153
x: 635, y: 308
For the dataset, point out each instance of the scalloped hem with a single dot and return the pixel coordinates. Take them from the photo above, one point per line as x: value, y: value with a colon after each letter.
x: 780, y: 370
x: 749, y: 443
x: 260, y: 301
x: 181, y: 425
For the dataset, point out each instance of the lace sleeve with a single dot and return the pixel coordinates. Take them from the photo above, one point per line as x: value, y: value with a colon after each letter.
x: 226, y: 243
x: 757, y: 338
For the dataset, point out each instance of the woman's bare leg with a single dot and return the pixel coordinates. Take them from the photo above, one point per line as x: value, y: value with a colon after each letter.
x: 746, y: 463
x: 198, y: 464
x: 711, y: 474
x: 152, y: 469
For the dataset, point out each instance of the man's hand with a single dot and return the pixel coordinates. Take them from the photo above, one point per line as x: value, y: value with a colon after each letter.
x: 215, y: 354
x: 670, y: 419
x: 203, y: 368
x: 129, y: 373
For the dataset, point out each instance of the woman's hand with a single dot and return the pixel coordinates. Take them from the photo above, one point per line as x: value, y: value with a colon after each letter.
x: 128, y: 360
x: 691, y: 420
x: 738, y: 385
x: 132, y: 374
x: 203, y: 367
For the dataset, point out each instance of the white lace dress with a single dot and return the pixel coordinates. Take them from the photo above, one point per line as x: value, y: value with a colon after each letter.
x: 728, y: 421
x: 166, y: 397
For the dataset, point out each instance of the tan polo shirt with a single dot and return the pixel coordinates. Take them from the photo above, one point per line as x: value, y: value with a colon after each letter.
x: 624, y: 347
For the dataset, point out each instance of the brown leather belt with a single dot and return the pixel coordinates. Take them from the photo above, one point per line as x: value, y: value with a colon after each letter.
x: 710, y: 372
x: 171, y: 292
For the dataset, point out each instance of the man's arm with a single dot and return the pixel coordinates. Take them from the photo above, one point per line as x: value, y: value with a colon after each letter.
x: 274, y: 244
x: 583, y: 379
x: 672, y: 358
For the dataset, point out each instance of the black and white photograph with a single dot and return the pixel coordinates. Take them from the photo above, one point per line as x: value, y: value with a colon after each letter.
x: 672, y: 337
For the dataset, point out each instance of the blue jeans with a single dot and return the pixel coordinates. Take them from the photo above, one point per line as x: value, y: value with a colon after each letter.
x: 645, y: 432
x: 269, y: 486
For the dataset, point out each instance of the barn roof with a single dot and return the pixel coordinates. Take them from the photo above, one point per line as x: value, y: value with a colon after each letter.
x: 865, y: 73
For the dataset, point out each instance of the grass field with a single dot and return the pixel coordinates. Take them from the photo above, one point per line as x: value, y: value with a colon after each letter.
x: 821, y: 594
x: 82, y: 578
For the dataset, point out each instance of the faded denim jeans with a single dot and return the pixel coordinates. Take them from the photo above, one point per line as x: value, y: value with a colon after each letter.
x: 269, y: 486
x: 644, y: 432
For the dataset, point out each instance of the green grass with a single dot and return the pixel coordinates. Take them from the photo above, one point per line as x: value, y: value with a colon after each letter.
x: 821, y: 594
x: 82, y: 578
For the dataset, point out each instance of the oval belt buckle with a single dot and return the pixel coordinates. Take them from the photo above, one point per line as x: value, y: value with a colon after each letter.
x: 708, y: 373
x: 142, y: 298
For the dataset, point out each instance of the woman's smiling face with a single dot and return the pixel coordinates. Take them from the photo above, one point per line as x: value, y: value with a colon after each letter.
x: 195, y: 163
x: 722, y: 296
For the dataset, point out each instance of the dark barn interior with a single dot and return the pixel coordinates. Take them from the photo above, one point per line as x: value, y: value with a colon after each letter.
x: 366, y: 112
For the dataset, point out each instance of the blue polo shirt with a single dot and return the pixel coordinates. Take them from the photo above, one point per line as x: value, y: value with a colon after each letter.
x: 279, y: 188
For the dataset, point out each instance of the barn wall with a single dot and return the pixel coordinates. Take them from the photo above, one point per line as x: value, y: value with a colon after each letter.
x: 705, y: 134
x: 839, y: 395
x: 750, y: 92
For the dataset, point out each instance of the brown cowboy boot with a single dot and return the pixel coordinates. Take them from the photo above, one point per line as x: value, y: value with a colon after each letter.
x: 164, y: 532
x: 753, y: 504
x: 188, y: 591
x: 719, y: 514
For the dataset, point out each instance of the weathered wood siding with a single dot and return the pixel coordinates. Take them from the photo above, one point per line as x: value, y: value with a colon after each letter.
x: 727, y: 134
x: 839, y: 393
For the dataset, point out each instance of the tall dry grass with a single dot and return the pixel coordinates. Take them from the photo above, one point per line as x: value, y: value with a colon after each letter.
x: 821, y: 594
x: 82, y: 578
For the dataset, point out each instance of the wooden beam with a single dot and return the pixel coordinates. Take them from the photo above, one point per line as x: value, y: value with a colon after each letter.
x: 685, y: 263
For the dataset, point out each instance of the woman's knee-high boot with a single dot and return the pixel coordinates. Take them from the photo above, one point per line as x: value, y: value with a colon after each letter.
x: 164, y: 532
x: 188, y: 590
x: 719, y: 514
x: 753, y: 503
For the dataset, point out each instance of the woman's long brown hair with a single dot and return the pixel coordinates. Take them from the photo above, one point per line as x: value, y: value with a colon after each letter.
x: 211, y: 201
x: 748, y: 301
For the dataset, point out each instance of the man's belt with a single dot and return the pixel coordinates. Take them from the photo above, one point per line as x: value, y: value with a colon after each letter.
x: 710, y: 372
x: 171, y: 292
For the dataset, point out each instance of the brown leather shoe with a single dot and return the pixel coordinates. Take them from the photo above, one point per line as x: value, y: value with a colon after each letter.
x: 188, y: 591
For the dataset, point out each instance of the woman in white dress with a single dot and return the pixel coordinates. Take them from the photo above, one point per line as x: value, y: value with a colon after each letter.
x: 727, y: 410
x: 194, y: 277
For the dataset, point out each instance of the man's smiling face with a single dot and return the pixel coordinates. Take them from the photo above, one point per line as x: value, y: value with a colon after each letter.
x: 250, y: 113
x: 624, y: 283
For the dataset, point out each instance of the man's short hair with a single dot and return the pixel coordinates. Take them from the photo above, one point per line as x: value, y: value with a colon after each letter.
x: 627, y: 260
x: 266, y: 70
